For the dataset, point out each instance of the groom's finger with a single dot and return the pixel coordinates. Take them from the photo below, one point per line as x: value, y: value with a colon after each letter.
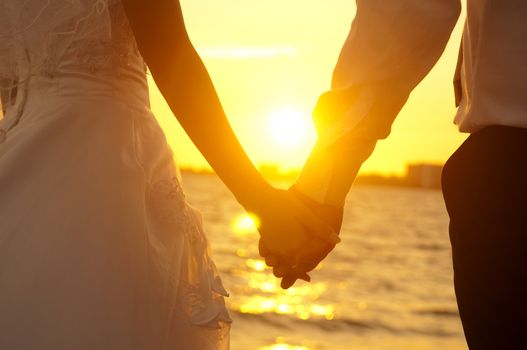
x: 284, y: 268
x: 289, y: 280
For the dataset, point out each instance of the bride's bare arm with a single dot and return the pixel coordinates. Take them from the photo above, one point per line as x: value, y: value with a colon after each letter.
x: 183, y: 80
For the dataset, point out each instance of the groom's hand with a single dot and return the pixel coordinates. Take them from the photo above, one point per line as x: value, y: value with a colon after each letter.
x: 284, y: 222
x: 312, y: 252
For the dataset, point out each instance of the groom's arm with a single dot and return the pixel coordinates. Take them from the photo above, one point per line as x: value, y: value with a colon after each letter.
x: 391, y: 47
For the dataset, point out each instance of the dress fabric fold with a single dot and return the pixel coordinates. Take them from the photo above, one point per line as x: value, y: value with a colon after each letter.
x: 99, y: 248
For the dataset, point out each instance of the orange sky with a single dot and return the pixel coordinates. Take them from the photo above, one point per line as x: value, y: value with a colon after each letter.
x: 271, y: 59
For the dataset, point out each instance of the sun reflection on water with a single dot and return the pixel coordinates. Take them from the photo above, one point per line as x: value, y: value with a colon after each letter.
x: 258, y: 265
x: 348, y: 292
x: 282, y: 345
x: 284, y: 305
x: 262, y: 293
x: 246, y: 224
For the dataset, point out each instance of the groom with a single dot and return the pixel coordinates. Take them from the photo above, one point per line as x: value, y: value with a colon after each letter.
x: 391, y: 47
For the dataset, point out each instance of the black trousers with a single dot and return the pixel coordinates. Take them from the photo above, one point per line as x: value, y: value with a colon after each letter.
x: 485, y: 190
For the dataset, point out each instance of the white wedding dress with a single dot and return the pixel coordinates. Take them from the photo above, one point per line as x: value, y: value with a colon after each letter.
x: 98, y: 247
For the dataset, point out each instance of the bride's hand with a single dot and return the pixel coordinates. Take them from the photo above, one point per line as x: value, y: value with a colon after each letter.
x: 319, y: 245
x: 284, y: 222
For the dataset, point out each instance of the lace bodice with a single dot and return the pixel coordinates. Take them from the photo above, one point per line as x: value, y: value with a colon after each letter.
x: 58, y: 37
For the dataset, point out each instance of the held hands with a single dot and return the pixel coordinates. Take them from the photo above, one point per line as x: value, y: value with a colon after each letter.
x: 319, y: 224
x: 297, y: 234
x: 302, y: 232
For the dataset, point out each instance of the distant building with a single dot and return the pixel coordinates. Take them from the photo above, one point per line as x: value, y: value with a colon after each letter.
x: 417, y: 175
x: 424, y: 175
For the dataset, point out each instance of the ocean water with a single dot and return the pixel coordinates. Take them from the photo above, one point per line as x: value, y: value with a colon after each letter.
x: 387, y: 286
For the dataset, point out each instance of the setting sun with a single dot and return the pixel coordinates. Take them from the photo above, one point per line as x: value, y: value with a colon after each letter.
x: 289, y: 127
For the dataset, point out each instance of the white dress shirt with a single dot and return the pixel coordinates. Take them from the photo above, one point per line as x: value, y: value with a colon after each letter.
x: 392, y: 46
x: 494, y: 70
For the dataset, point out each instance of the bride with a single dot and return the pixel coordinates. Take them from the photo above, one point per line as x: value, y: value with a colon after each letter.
x: 98, y: 247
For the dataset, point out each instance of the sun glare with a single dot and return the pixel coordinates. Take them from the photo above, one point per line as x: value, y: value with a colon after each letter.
x: 289, y: 127
x: 282, y: 345
x: 246, y: 224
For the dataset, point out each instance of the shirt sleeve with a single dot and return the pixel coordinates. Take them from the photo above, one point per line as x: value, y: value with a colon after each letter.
x: 391, y: 47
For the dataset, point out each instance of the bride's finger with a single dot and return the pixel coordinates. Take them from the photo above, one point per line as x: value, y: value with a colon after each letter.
x: 311, y: 255
x: 272, y: 260
x: 263, y: 250
x: 281, y: 271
